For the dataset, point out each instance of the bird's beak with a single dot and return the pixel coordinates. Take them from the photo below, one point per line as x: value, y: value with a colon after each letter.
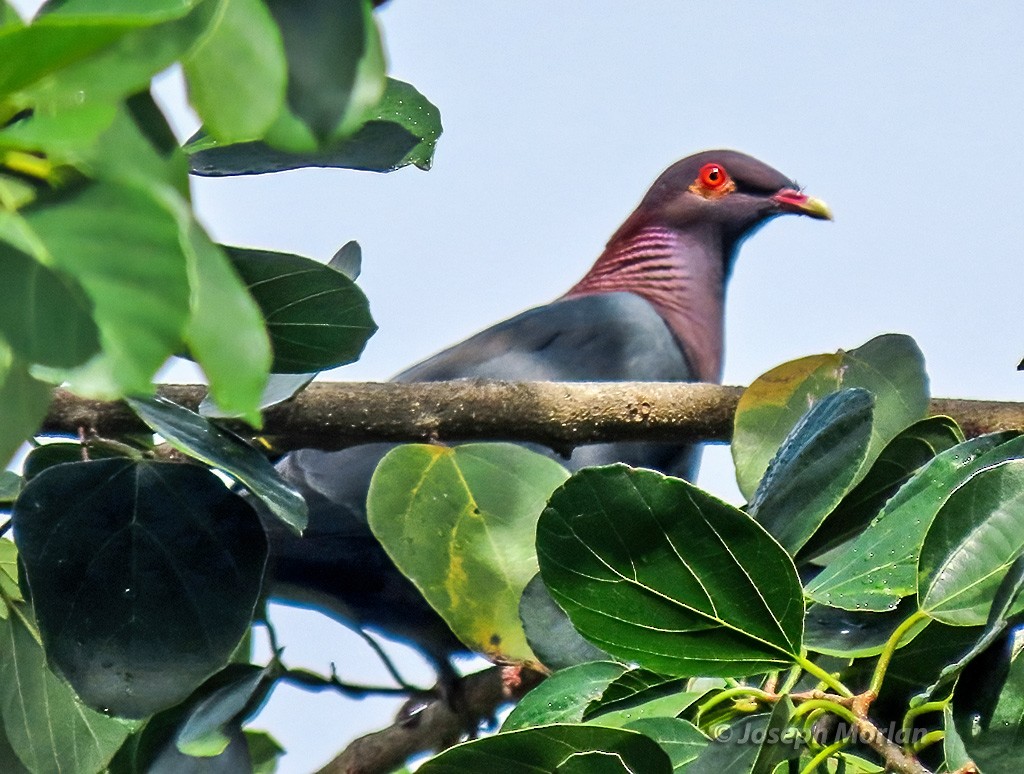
x: 790, y: 200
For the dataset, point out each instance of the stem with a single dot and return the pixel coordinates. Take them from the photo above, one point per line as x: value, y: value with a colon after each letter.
x: 829, y: 706
x: 929, y: 739
x: 792, y: 678
x: 823, y: 756
x: 729, y: 693
x: 825, y: 677
x: 890, y: 648
x: 914, y: 712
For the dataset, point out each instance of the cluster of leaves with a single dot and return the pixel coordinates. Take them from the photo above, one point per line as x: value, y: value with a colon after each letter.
x: 126, y: 606
x: 878, y: 559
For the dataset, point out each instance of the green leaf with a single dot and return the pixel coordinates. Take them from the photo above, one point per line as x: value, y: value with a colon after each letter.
x: 680, y: 739
x: 459, y: 522
x: 86, y: 12
x: 117, y: 56
x: 554, y: 748
x: 972, y: 542
x: 200, y: 439
x: 236, y: 357
x: 122, y: 245
x: 44, y: 315
x: 317, y: 317
x: 751, y: 745
x: 1003, y: 602
x: 46, y: 725
x: 1000, y: 746
x: 854, y: 634
x: 60, y: 135
x: 814, y: 468
x: 891, y: 367
x: 904, y: 455
x: 10, y: 486
x: 9, y: 589
x: 23, y: 403
x: 264, y: 751
x: 237, y: 74
x: 953, y: 749
x: 403, y: 129
x: 656, y: 571
x: 880, y: 566
x: 205, y: 730
x: 549, y: 633
x: 565, y: 696
x: 164, y: 565
x: 335, y: 62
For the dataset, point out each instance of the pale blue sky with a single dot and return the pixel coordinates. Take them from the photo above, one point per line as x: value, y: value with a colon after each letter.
x: 905, y: 117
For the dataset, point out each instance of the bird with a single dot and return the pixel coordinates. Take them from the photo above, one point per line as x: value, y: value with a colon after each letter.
x: 651, y: 308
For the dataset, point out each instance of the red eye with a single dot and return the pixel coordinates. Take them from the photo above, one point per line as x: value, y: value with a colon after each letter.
x: 713, y: 176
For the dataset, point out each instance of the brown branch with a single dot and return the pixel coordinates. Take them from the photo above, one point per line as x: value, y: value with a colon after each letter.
x: 437, y: 726
x: 561, y: 415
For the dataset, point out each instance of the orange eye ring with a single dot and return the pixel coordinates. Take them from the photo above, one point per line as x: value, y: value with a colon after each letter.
x: 713, y: 176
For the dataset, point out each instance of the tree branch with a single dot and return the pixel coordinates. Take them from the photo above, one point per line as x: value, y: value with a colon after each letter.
x: 437, y: 726
x: 561, y: 415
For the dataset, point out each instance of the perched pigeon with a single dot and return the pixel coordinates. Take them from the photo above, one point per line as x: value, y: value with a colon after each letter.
x: 650, y: 309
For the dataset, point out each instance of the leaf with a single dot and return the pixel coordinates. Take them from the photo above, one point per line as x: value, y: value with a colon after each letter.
x: 549, y: 633
x: 553, y: 748
x: 880, y: 566
x: 44, y: 315
x: 10, y: 486
x: 264, y: 751
x: 680, y: 739
x: 854, y: 634
x: 565, y: 696
x: 1005, y: 598
x: 953, y: 749
x: 459, y: 522
x: 656, y: 571
x: 197, y: 437
x: 23, y: 404
x: 814, y: 468
x: 279, y: 388
x: 317, y: 317
x: 348, y: 260
x: 902, y: 457
x: 60, y: 135
x: 205, y: 730
x: 237, y: 74
x: 144, y: 577
x: 46, y: 725
x: 751, y: 745
x: 9, y: 589
x: 972, y: 542
x: 998, y: 748
x: 335, y: 62
x: 139, y: 289
x: 236, y: 357
x: 891, y: 367
x: 403, y: 129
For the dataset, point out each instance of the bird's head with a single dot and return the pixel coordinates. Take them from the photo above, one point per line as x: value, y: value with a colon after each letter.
x: 723, y: 194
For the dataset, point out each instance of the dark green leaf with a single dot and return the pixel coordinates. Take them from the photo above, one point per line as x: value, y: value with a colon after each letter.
x: 550, y: 633
x: 551, y: 748
x: 237, y: 74
x: 972, y: 542
x: 891, y: 367
x: 23, y: 404
x: 335, y: 62
x: 459, y: 522
x: 953, y: 749
x: 317, y: 317
x: 236, y: 357
x: 46, y: 725
x: 44, y: 315
x: 197, y: 437
x: 905, y: 454
x: 1005, y: 598
x: 403, y: 129
x: 144, y: 577
x: 59, y: 452
x: 565, y: 696
x: 680, y: 739
x: 206, y: 730
x: 752, y: 745
x: 656, y: 571
x: 814, y: 467
x: 1000, y: 746
x: 854, y: 634
x: 880, y: 566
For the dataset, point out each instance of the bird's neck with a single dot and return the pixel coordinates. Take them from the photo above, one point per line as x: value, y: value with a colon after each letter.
x: 681, y: 276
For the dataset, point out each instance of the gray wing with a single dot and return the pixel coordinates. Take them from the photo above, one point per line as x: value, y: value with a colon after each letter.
x: 339, y: 565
